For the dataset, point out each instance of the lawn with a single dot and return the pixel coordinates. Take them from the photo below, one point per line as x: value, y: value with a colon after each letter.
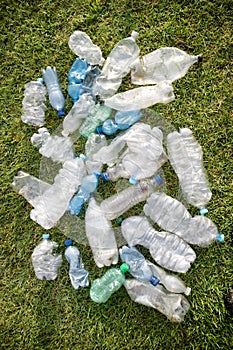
x: 51, y: 314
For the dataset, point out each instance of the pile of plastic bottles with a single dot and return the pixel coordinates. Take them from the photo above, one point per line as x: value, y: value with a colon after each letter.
x: 136, y: 154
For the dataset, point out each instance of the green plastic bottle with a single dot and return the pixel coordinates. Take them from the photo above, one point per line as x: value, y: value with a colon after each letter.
x: 102, y: 288
x: 97, y: 115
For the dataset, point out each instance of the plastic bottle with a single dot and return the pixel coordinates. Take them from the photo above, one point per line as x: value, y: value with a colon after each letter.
x: 81, y: 44
x: 50, y: 206
x: 97, y: 115
x: 166, y: 63
x: 56, y: 97
x: 121, y: 121
x: 138, y: 266
x: 168, y: 250
x: 173, y: 306
x: 185, y: 155
x: 120, y: 202
x: 171, y: 215
x: 77, y: 114
x: 46, y: 264
x: 33, y: 103
x: 100, y: 235
x: 88, y: 185
x: 93, y: 144
x: 78, y: 274
x: 76, y: 77
x: 141, y: 97
x: 102, y: 288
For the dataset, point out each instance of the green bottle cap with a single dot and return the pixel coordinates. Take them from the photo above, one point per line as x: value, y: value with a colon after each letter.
x: 124, y: 268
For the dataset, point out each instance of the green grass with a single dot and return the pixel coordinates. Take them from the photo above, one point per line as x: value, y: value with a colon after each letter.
x: 51, y: 315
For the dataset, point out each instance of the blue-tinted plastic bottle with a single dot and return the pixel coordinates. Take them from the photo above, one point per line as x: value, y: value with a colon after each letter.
x: 121, y: 121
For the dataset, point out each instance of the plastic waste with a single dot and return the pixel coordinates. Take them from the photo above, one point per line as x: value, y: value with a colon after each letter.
x: 171, y: 215
x: 168, y: 250
x: 100, y: 235
x: 81, y: 44
x: 50, y: 206
x: 141, y: 97
x: 97, y: 115
x: 121, y: 121
x: 33, y: 103
x: 58, y: 148
x: 56, y: 97
x: 166, y: 63
x: 78, y: 274
x: 77, y: 114
x: 88, y: 185
x: 138, y: 266
x: 102, y: 288
x: 122, y: 201
x: 173, y: 306
x: 185, y: 155
x: 46, y: 264
x: 76, y: 77
x: 93, y: 144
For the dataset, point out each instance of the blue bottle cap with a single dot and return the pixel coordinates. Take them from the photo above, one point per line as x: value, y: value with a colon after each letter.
x: 68, y: 242
x: 105, y: 176
x: 220, y: 237
x: 203, y: 211
x: 61, y: 113
x: 158, y: 179
x: 40, y: 80
x: 133, y: 181
x: 97, y: 174
x: 99, y: 129
x: 154, y: 281
x: 82, y: 156
x: 46, y: 236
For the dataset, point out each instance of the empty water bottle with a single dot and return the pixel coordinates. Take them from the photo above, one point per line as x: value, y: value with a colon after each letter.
x: 102, y: 288
x: 78, y: 274
x: 100, y: 235
x: 122, y: 201
x: 138, y: 266
x: 168, y: 250
x: 76, y: 76
x: 81, y: 44
x: 88, y: 185
x: 171, y: 215
x: 174, y: 306
x: 93, y: 144
x: 185, y: 155
x: 141, y: 97
x: 56, y: 97
x: 121, y: 121
x: 33, y: 103
x: 46, y: 264
x: 166, y: 63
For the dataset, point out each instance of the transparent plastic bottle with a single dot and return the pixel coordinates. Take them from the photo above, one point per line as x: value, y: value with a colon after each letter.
x: 138, y: 266
x: 168, y: 250
x: 78, y: 274
x: 173, y: 306
x: 100, y: 235
x: 141, y: 97
x: 81, y: 44
x: 121, y: 121
x: 185, y: 155
x: 56, y: 97
x: 102, y: 288
x: 120, y: 202
x: 93, y: 144
x: 33, y: 103
x: 46, y: 264
x: 76, y: 77
x: 171, y: 215
x: 166, y: 63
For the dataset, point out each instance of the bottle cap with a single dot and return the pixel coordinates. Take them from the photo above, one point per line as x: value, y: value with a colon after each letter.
x: 40, y: 80
x: 60, y: 113
x: 97, y: 174
x: 82, y: 156
x: 119, y: 220
x: 124, y: 268
x: 46, y: 236
x: 154, y: 281
x: 99, y: 129
x: 199, y: 58
x: 203, y: 211
x: 220, y: 237
x: 68, y: 242
x: 133, y: 181
x: 158, y: 179
x: 105, y: 176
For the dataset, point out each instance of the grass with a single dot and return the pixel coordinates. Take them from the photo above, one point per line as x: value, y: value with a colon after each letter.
x: 51, y: 315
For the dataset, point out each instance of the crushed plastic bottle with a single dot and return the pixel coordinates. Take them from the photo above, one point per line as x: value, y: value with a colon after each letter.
x: 76, y: 77
x: 78, y: 274
x: 185, y: 155
x: 33, y: 103
x: 171, y: 215
x: 50, y: 206
x: 121, y: 121
x: 164, y: 64
x: 46, y: 264
x: 119, y: 203
x: 141, y: 97
x: 93, y: 144
x: 168, y: 250
x: 97, y: 115
x: 81, y: 44
x: 138, y: 266
x: 173, y: 306
x: 102, y: 288
x: 100, y: 235
x: 88, y: 185
x: 56, y: 97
